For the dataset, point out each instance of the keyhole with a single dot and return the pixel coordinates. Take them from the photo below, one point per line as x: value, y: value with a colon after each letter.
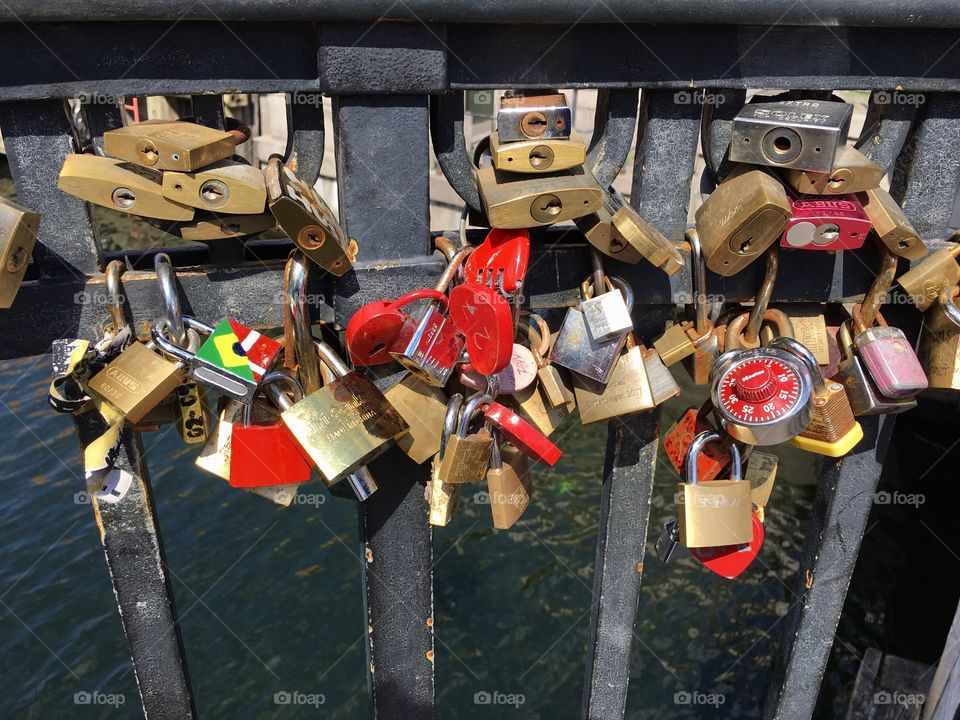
x: 541, y: 157
x: 782, y: 145
x: 123, y: 198
x: 745, y: 246
x: 149, y: 154
x: 533, y: 124
x: 551, y: 207
x: 214, y: 193
x: 17, y: 260
x: 311, y: 238
x: 826, y: 234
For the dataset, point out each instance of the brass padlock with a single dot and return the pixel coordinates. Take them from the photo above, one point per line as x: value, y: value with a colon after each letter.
x: 467, y: 456
x: 119, y: 185
x: 443, y: 497
x: 924, y: 282
x: 509, y: 486
x: 852, y: 172
x: 940, y: 341
x: 744, y: 216
x: 210, y: 226
x: 534, y: 117
x: 18, y: 235
x: 422, y: 407
x: 225, y: 187
x: 519, y: 201
x: 663, y: 385
x: 809, y: 328
x: 715, y: 513
x: 627, y: 391
x: 136, y: 381
x: 169, y: 144
x: 556, y: 390
x: 890, y: 224
x: 537, y: 156
x: 761, y: 473
x: 307, y: 219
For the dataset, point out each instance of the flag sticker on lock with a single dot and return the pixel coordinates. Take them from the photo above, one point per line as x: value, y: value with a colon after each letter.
x: 239, y: 350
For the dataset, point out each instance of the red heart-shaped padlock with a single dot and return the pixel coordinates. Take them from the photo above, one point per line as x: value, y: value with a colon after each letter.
x: 730, y: 560
x: 485, y: 320
x: 501, y: 260
x: 523, y: 435
x: 373, y: 327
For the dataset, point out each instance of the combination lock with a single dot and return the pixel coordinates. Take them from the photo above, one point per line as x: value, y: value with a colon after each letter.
x: 762, y: 396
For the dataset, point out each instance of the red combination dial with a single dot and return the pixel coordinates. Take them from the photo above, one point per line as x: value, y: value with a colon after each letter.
x: 759, y: 389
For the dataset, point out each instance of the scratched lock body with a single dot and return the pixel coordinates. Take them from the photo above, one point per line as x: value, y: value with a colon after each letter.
x: 819, y: 223
x: 428, y: 345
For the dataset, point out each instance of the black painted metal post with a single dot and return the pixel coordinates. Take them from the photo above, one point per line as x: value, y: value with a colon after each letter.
x: 621, y: 541
x: 383, y: 180
x: 837, y: 525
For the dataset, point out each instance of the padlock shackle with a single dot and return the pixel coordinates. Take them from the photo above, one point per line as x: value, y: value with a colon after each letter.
x: 696, y: 447
x: 169, y: 300
x: 496, y: 459
x: 859, y: 322
x: 447, y: 247
x: 950, y: 308
x: 845, y: 339
x: 329, y: 356
x: 450, y: 420
x: 762, y: 301
x: 539, y: 338
x: 453, y: 267
x: 270, y: 384
x: 472, y: 408
x: 699, y: 279
x: 598, y: 275
x: 877, y: 293
x: 296, y: 318
x: 806, y: 357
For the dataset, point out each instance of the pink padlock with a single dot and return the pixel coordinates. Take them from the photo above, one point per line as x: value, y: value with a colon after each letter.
x: 888, y: 357
x: 825, y: 223
x: 518, y: 375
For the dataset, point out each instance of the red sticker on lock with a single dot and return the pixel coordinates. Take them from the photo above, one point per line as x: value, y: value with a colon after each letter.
x: 485, y: 320
x: 523, y: 435
x: 262, y: 455
x: 373, y: 328
x: 501, y: 260
x: 835, y: 223
x: 714, y: 457
x: 729, y: 561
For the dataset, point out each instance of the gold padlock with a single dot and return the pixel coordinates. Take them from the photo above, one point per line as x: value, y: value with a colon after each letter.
x: 18, y: 235
x: 926, y: 281
x: 627, y: 390
x: 509, y: 486
x: 119, y: 185
x: 519, y: 201
x: 169, y: 144
x: 225, y: 187
x: 537, y: 156
x: 136, y: 381
x: 852, y: 172
x: 890, y: 224
x: 761, y: 473
x: 557, y: 392
x: 423, y: 408
x: 940, y: 341
x: 442, y: 497
x: 466, y: 457
x: 211, y: 226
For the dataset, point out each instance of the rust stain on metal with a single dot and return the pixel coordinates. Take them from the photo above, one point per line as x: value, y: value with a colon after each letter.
x: 809, y: 580
x: 430, y: 655
x: 368, y: 553
x: 429, y: 622
x: 639, y: 568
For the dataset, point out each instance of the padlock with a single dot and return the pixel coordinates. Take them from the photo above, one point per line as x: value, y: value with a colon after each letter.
x: 345, y: 424
x: 264, y: 454
x: 925, y: 281
x: 597, y: 227
x: 193, y: 415
x: 604, y: 306
x: 825, y: 223
x: 522, y: 201
x: 538, y: 155
x: 307, y: 219
x: 864, y: 397
x: 232, y: 359
x: 422, y: 407
x: 118, y: 185
x: 516, y: 377
x: 626, y: 392
x: 888, y: 357
x: 210, y: 226
x: 169, y: 144
x: 762, y: 396
x: 736, y: 336
x: 761, y: 473
x: 136, y: 381
x: 556, y: 389
x: 852, y: 172
x: 467, y: 456
x: 374, y: 327
x: 509, y: 486
x: 676, y: 343
x: 744, y: 216
x: 833, y: 431
x: 729, y: 561
x: 443, y: 497
x: 18, y: 235
x: 428, y: 344
x: 891, y: 225
x: 227, y: 186
x: 714, y: 513
x: 575, y: 350
x: 802, y: 134
x: 668, y: 540
x: 809, y: 326
x: 521, y: 434
x: 663, y: 385
x: 485, y: 320
x: 534, y: 117
x: 702, y: 333
x: 940, y: 341
x: 500, y: 261
x: 714, y: 458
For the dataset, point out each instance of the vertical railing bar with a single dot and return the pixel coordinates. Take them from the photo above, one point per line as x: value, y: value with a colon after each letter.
x: 885, y: 131
x: 305, y: 135
x: 621, y: 541
x: 943, y: 698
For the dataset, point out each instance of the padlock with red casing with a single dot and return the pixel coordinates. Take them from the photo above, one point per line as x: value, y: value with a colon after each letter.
x: 526, y: 438
x: 485, y: 319
x: 500, y: 261
x: 825, y: 223
x: 264, y: 454
x: 373, y: 328
x: 729, y: 561
x: 714, y: 458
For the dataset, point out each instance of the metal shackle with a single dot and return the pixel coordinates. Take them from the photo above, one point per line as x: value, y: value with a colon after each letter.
x: 184, y: 354
x: 473, y: 406
x: 450, y: 419
x: 169, y: 301
x: 950, y: 308
x: 271, y: 385
x: 696, y: 447
x: 295, y: 312
x: 752, y: 334
x: 805, y: 356
x: 112, y: 274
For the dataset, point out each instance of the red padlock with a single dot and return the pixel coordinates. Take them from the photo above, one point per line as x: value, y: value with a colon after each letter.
x: 262, y: 455
x: 826, y: 223
x: 501, y: 260
x: 729, y: 561
x: 521, y: 434
x: 485, y: 320
x: 374, y: 326
x: 714, y: 458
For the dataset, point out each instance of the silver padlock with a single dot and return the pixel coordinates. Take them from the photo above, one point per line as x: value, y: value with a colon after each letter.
x: 538, y: 117
x: 606, y: 312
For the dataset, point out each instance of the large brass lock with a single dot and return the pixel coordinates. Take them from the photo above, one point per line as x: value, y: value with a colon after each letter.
x: 169, y: 145
x: 523, y: 201
x: 940, y: 341
x: 225, y: 187
x: 891, y: 225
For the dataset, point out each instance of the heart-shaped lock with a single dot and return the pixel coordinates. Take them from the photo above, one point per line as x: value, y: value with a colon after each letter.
x: 485, y: 320
x: 729, y: 561
x: 374, y: 326
x: 518, y: 375
x: 501, y: 260
x: 521, y: 434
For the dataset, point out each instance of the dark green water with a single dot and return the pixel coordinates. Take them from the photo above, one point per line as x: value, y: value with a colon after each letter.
x: 269, y: 597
